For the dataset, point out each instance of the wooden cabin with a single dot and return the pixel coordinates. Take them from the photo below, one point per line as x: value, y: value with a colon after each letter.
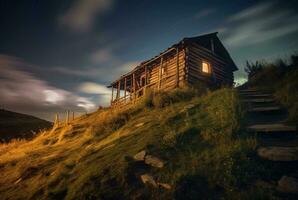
x: 192, y: 60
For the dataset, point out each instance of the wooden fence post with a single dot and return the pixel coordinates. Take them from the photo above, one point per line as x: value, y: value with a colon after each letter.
x: 67, y: 117
x: 56, y: 122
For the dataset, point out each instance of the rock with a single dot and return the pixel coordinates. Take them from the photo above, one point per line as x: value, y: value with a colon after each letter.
x: 154, y: 161
x: 140, y: 156
x: 288, y: 185
x: 139, y: 124
x: 165, y: 185
x: 271, y: 128
x: 278, y: 153
x: 148, y: 179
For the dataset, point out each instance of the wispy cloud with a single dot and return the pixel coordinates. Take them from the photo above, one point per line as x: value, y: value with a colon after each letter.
x: 24, y: 92
x: 93, y: 88
x: 82, y: 14
x: 204, y: 13
x: 259, y: 23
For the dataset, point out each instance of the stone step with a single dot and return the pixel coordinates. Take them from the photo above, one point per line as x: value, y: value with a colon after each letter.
x: 275, y: 153
x: 256, y: 95
x: 265, y: 109
x: 288, y: 184
x: 248, y: 90
x: 262, y: 100
x: 271, y: 128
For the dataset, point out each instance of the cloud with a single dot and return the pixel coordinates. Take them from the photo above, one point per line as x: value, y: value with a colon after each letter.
x: 259, y: 23
x: 21, y: 91
x: 93, y: 88
x: 204, y: 13
x: 105, y: 73
x: 82, y: 14
x: 103, y: 55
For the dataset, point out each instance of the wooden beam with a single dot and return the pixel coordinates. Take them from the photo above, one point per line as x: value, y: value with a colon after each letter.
x: 145, y: 79
x: 112, y: 98
x: 159, y: 75
x: 134, y: 85
x: 118, y: 90
x: 125, y: 89
x: 177, y: 68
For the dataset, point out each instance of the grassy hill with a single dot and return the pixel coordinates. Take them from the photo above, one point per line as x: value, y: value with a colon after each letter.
x: 17, y: 125
x: 198, y: 135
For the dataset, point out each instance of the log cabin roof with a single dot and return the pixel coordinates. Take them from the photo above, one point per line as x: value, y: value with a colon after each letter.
x: 202, y: 40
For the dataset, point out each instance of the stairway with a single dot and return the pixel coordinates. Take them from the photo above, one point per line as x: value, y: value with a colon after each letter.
x: 277, y: 141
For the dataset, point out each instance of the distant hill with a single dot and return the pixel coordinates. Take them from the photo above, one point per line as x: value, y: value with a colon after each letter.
x: 17, y: 125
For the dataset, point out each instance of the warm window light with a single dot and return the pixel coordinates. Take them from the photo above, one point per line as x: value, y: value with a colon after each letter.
x: 206, y: 67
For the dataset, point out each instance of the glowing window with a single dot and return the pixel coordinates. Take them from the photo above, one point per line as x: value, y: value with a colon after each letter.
x: 206, y: 68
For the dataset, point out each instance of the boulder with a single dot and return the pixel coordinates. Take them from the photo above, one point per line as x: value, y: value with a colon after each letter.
x: 288, y: 185
x: 148, y: 179
x: 164, y: 185
x: 278, y: 153
x: 154, y: 161
x: 140, y: 156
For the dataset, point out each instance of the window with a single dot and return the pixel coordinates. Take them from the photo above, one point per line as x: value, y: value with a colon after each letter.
x: 206, y: 68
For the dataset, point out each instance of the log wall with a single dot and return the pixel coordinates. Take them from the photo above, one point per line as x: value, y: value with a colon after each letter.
x: 168, y: 79
x: 220, y: 71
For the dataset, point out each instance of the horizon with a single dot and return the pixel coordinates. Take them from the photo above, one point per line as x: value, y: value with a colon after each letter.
x: 60, y: 55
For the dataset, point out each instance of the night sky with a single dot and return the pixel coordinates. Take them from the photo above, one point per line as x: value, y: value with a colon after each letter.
x: 60, y: 54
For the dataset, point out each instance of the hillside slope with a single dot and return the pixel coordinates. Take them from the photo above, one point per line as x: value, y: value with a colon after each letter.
x: 17, y: 125
x: 197, y: 138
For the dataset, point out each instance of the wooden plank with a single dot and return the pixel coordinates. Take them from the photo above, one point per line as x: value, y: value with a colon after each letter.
x: 177, y: 68
x: 112, y: 98
x: 125, y: 88
x: 118, y: 90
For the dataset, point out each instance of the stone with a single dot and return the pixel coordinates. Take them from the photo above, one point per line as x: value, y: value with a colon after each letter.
x: 278, y: 153
x: 154, y: 161
x: 164, y: 185
x: 148, y: 179
x: 139, y: 124
x: 265, y: 109
x: 288, y: 185
x: 258, y: 100
x: 271, y: 128
x: 140, y: 156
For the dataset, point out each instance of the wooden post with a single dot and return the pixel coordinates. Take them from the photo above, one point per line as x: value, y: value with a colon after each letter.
x: 118, y: 90
x: 145, y: 80
x: 177, y: 68
x: 112, y: 98
x: 160, y: 76
x: 125, y: 89
x: 56, y: 122
x: 134, y: 86
x: 67, y: 117
x: 73, y: 115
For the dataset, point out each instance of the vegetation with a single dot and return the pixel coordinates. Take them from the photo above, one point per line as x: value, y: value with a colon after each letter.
x: 198, y: 133
x: 281, y: 79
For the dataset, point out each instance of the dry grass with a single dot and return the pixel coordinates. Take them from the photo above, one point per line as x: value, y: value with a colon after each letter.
x: 89, y: 158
